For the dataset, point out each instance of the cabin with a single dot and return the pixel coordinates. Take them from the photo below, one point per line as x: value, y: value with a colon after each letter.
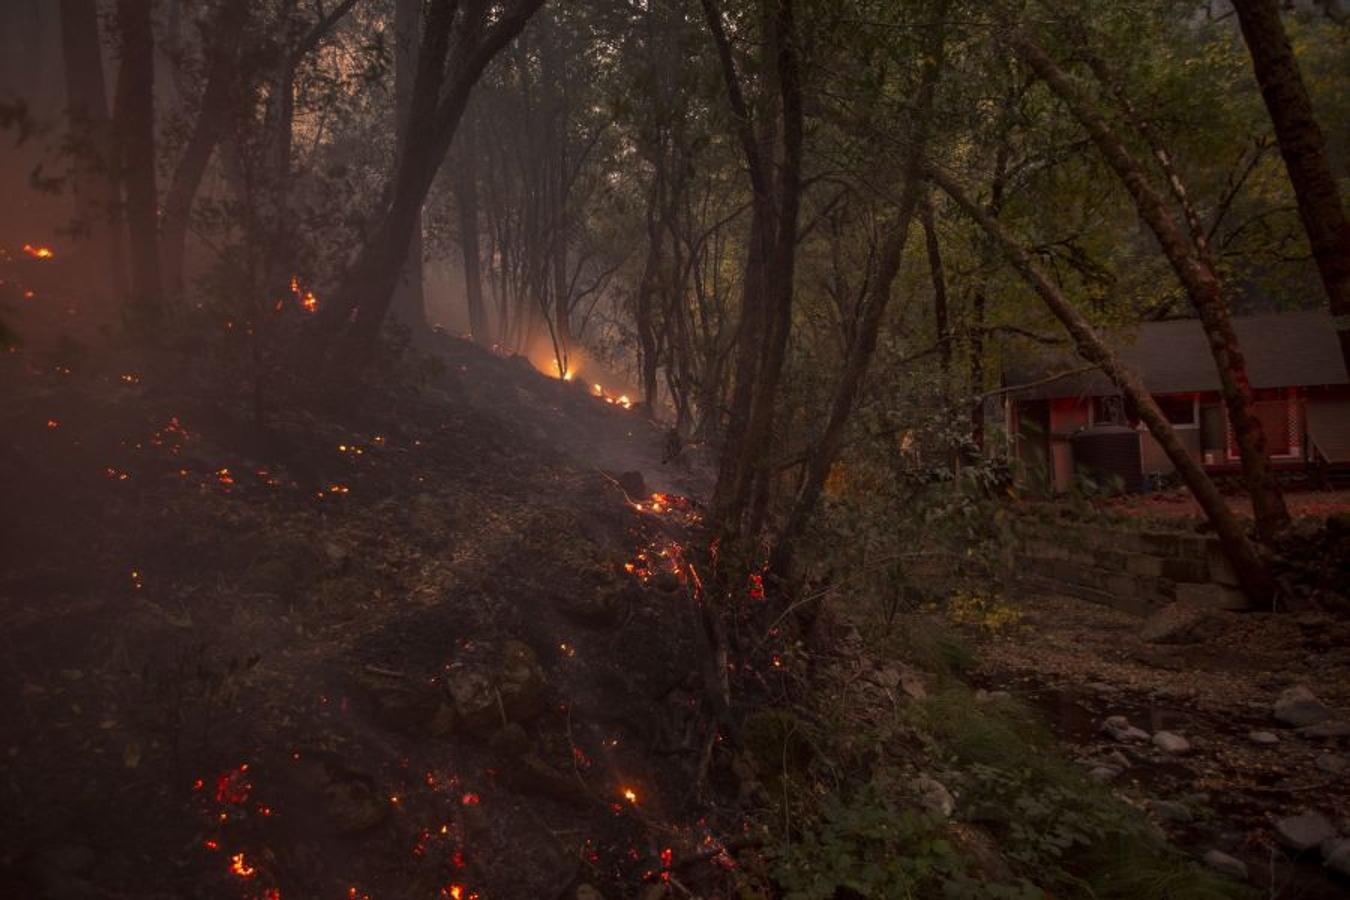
x: 1063, y: 422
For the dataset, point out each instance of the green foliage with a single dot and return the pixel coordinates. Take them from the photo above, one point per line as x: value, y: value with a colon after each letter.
x: 1048, y: 818
x: 865, y: 845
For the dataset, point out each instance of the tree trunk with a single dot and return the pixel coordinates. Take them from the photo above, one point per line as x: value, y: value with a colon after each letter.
x: 218, y: 109
x: 645, y: 305
x: 466, y: 200
x: 409, y: 304
x: 1251, y: 569
x: 770, y: 264
x: 1304, y: 149
x: 859, y: 359
x: 1201, y: 282
x: 97, y: 205
x: 352, y: 320
x: 136, y: 131
x: 939, y: 279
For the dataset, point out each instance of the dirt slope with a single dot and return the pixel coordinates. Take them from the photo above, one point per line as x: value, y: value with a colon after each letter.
x: 399, y: 656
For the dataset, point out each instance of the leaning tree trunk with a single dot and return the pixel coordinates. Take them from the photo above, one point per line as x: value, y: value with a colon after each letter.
x: 95, y: 174
x: 1251, y: 569
x: 1200, y: 280
x: 1304, y: 149
x: 136, y: 132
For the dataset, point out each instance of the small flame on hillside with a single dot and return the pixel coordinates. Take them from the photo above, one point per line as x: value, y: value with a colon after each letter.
x: 307, y: 299
x: 39, y: 251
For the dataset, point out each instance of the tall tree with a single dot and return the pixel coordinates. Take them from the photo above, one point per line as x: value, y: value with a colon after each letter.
x: 466, y: 202
x: 135, y: 114
x: 97, y: 204
x: 409, y: 303
x: 218, y: 110
x: 864, y: 343
x: 458, y: 42
x: 1304, y: 149
x: 772, y: 148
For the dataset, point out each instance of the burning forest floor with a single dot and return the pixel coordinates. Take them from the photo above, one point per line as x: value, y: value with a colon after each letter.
x: 447, y: 645
x: 435, y: 651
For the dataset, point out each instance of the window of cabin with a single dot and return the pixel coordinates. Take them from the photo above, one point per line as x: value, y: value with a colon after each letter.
x: 1114, y: 409
x: 1179, y: 409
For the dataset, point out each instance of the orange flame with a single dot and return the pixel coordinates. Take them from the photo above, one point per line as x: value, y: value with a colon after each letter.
x: 308, y: 301
x: 241, y: 868
x: 38, y: 252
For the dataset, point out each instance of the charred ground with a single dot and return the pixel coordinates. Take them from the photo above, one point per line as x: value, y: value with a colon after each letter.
x: 396, y: 653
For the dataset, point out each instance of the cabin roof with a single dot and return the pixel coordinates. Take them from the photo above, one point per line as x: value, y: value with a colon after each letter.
x: 1295, y: 349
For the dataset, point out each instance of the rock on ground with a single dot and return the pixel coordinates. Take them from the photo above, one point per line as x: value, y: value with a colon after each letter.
x: 1118, y: 728
x: 1168, y: 742
x: 1263, y: 737
x: 1223, y: 863
x: 1331, y: 728
x: 1336, y: 855
x: 1171, y: 810
x: 1182, y: 623
x: 1303, y: 832
x: 934, y: 797
x: 1333, y: 763
x: 1299, y: 707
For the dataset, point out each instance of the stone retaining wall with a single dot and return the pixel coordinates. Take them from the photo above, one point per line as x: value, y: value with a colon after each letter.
x: 1134, y: 570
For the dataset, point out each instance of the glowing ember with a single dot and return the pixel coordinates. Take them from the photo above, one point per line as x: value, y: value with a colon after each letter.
x: 224, y: 477
x: 630, y: 795
x: 38, y: 252
x: 232, y: 786
x: 136, y: 581
x: 624, y: 402
x: 130, y: 377
x: 338, y: 489
x: 307, y: 299
x: 567, y: 376
x: 470, y: 799
x: 53, y: 423
x: 240, y: 867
